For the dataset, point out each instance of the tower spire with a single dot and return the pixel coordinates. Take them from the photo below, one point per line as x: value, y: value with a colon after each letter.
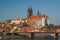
x: 30, y: 12
x: 38, y: 13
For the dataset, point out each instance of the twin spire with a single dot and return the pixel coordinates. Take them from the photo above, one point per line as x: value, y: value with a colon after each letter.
x: 30, y: 12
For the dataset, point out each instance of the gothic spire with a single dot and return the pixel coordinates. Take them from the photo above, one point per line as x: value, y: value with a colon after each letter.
x: 30, y: 13
x: 38, y: 13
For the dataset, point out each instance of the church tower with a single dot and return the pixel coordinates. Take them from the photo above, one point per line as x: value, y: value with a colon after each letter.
x: 38, y: 13
x: 29, y: 11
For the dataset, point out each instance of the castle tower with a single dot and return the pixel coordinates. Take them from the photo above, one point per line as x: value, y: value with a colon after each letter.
x: 29, y: 11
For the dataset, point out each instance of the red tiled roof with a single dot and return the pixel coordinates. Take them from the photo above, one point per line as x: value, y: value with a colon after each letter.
x: 35, y: 18
x: 18, y: 18
x: 29, y: 28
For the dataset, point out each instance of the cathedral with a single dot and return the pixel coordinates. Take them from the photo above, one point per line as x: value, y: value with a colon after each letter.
x: 39, y: 20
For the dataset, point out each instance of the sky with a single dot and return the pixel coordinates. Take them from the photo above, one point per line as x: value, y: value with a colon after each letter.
x: 11, y: 9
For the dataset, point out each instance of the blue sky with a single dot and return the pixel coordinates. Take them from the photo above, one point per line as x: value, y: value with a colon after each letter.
x: 11, y: 9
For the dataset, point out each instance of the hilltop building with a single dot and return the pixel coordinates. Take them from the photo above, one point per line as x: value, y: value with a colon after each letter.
x: 34, y: 21
x: 39, y: 20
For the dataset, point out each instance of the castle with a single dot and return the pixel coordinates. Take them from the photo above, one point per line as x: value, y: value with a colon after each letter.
x: 37, y: 20
x: 32, y: 21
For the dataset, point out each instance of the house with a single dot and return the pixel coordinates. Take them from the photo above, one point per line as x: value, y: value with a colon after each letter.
x: 16, y: 21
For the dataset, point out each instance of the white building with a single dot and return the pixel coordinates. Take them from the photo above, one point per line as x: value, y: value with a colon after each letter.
x: 16, y: 21
x: 39, y: 21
